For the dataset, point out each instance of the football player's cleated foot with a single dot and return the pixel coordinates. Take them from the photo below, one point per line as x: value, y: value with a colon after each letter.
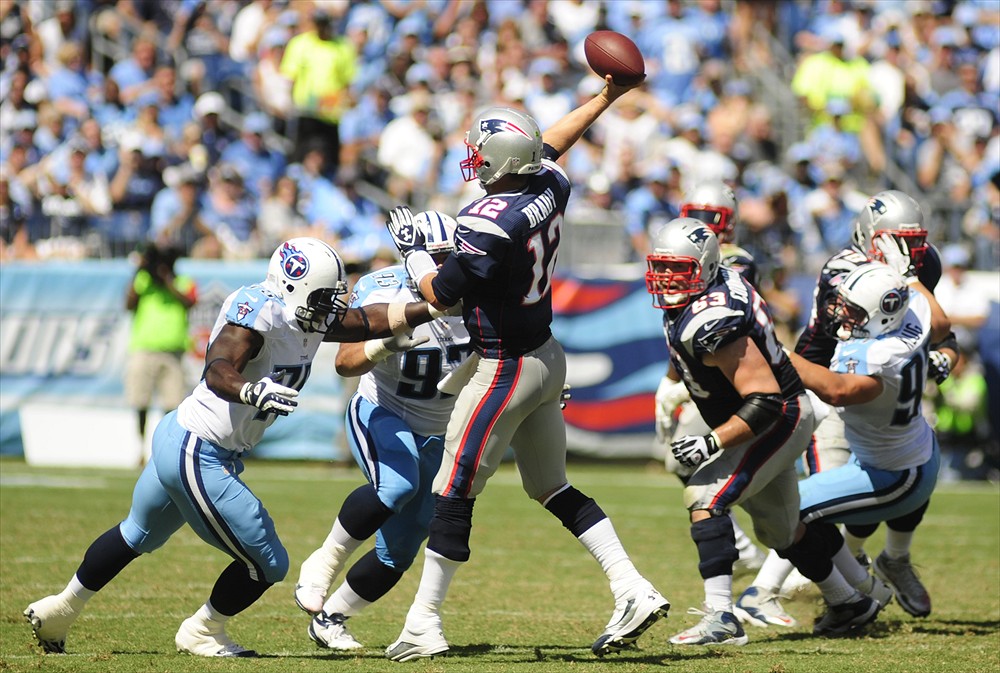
x: 900, y: 575
x: 207, y: 639
x: 315, y: 577
x: 761, y: 607
x: 794, y: 583
x: 750, y: 561
x: 715, y: 628
x: 309, y: 598
x: 841, y: 619
x: 330, y: 632
x: 877, y: 589
x: 420, y: 642
x: 50, y: 619
x: 634, y: 612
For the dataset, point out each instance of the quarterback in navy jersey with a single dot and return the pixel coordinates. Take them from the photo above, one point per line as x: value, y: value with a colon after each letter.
x: 509, y: 390
x: 723, y: 346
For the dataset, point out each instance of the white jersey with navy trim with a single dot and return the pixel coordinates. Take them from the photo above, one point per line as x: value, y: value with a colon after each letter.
x: 890, y: 432
x: 406, y: 383
x: 287, y: 352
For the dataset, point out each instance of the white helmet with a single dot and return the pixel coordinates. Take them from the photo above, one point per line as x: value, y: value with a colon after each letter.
x: 714, y: 203
x: 684, y: 260
x: 502, y: 141
x: 438, y: 230
x: 309, y: 276
x: 896, y: 213
x: 871, y: 301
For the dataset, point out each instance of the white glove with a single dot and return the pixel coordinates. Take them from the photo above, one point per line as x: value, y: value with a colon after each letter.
x: 404, y: 232
x: 940, y: 366
x: 693, y: 450
x: 269, y: 396
x: 669, y: 395
x: 565, y: 396
x: 896, y: 256
x: 377, y: 350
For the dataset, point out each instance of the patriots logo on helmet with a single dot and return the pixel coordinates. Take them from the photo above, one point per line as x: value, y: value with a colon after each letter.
x: 699, y: 235
x: 293, y: 262
x: 877, y: 206
x: 891, y: 302
x: 488, y: 127
x: 243, y: 310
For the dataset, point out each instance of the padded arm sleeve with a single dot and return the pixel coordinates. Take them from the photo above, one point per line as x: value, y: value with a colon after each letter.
x: 760, y: 411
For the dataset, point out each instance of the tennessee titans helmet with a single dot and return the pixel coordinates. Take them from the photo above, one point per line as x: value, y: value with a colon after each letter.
x: 713, y: 203
x: 502, y: 141
x: 871, y: 301
x: 438, y: 231
x: 685, y: 258
x: 896, y: 213
x: 309, y: 276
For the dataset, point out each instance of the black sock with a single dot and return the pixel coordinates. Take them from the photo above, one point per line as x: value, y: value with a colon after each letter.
x: 104, y: 559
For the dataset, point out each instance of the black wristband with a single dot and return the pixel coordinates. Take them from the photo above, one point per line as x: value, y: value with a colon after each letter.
x: 364, y: 319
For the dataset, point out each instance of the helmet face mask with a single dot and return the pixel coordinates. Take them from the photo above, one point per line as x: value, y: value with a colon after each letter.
x: 870, y: 302
x: 895, y: 213
x: 309, y: 276
x: 502, y: 141
x: 713, y: 203
x: 685, y: 259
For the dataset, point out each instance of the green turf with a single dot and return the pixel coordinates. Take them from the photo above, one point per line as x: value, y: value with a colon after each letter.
x: 531, y: 599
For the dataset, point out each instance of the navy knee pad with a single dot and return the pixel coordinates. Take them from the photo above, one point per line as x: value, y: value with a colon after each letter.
x: 576, y: 511
x: 812, y: 555
x: 450, y: 528
x: 363, y: 512
x: 716, y: 544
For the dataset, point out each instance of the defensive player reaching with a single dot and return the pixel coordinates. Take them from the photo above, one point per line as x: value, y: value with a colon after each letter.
x: 876, y: 378
x: 713, y: 203
x: 259, y: 357
x: 722, y: 344
x: 894, y: 214
x: 509, y: 390
x: 395, y: 427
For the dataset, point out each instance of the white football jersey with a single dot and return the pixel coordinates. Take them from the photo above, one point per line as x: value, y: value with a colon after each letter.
x: 890, y: 432
x: 406, y: 383
x: 287, y: 353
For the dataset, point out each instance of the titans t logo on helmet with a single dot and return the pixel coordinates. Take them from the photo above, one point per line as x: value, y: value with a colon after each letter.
x: 293, y: 262
x: 891, y: 301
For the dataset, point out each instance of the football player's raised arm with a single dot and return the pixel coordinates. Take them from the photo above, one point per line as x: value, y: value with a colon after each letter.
x: 940, y: 323
x: 838, y: 389
x: 749, y: 372
x: 565, y: 132
x: 226, y: 357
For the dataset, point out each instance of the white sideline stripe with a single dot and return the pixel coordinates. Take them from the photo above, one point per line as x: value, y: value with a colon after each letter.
x: 204, y: 505
x: 31, y: 480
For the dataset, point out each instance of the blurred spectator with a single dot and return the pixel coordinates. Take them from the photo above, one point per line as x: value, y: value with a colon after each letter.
x: 272, y: 89
x: 360, y: 130
x: 203, y: 31
x: 830, y: 73
x: 831, y: 209
x: 974, y: 111
x: 207, y: 112
x: 942, y: 159
x: 321, y: 67
x: 51, y: 131
x: 672, y: 50
x: 982, y: 221
x: 408, y: 152
x: 230, y: 214
x: 249, y: 26
x: 66, y: 86
x: 650, y: 206
x: 133, y: 189
x: 15, y: 110
x: 547, y: 101
x: 175, y: 109
x: 831, y: 141
x: 134, y: 75
x: 279, y: 218
x: 175, y: 220
x: 70, y: 194
x: 259, y: 165
x: 62, y: 27
x: 967, y: 304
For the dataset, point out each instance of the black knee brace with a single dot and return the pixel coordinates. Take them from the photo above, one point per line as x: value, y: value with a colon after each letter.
x: 813, y: 554
x: 909, y: 522
x: 576, y: 511
x: 370, y: 578
x: 716, y: 543
x: 363, y: 513
x: 450, y: 528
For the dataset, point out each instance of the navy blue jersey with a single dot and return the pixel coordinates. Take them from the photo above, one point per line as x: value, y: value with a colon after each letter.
x: 729, y: 309
x: 819, y: 339
x: 502, y: 267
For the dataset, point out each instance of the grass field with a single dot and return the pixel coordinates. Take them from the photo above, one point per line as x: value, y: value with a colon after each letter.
x: 530, y: 600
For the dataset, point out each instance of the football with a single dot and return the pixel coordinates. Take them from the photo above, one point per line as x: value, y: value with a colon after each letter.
x: 611, y: 53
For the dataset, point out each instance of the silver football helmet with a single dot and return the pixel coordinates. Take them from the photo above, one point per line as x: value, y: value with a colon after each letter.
x: 502, y: 141
x: 871, y: 301
x: 309, y: 276
x: 684, y: 261
x: 714, y: 203
x: 896, y: 213
x: 438, y: 231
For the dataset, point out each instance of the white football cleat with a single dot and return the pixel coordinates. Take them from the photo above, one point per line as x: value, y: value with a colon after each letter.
x: 634, y: 612
x: 417, y: 642
x: 50, y: 619
x: 760, y: 607
x: 315, y: 577
x: 330, y: 632
x: 715, y: 628
x: 207, y: 639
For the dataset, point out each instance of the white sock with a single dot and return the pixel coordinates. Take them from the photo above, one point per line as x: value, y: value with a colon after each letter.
x: 345, y: 601
x: 76, y: 594
x: 835, y: 588
x: 849, y: 567
x: 434, y: 582
x: 773, y: 573
x: 897, y: 543
x: 339, y: 544
x: 719, y: 592
x: 855, y: 544
x: 208, y: 613
x: 743, y: 541
x: 602, y: 542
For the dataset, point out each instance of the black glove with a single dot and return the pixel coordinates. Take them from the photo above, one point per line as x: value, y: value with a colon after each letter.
x: 405, y: 234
